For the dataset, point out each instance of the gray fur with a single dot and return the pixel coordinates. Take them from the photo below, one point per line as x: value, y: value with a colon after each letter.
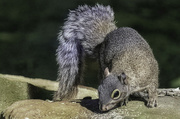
x: 125, y: 52
x: 84, y: 29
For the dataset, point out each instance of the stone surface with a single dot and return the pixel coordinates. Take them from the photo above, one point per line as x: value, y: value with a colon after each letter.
x: 88, y: 109
x: 15, y: 103
x: 11, y: 91
x: 14, y: 88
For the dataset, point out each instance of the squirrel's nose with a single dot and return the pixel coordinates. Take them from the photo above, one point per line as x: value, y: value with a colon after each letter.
x: 103, y: 107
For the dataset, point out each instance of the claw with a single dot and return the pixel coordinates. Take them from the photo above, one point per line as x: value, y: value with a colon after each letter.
x: 152, y: 103
x: 126, y: 101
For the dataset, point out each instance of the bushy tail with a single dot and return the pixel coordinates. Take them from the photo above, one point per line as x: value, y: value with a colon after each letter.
x: 68, y: 54
x: 84, y: 29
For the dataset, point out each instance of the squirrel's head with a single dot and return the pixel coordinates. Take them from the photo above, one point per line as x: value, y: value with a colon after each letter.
x: 112, y: 90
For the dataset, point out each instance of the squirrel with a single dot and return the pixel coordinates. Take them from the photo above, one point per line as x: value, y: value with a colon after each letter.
x: 84, y: 29
x: 133, y: 68
x: 128, y: 66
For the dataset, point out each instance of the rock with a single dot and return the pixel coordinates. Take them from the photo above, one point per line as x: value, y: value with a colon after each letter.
x: 14, y: 88
x: 168, y: 108
x: 39, y: 109
x: 15, y: 103
x: 11, y: 91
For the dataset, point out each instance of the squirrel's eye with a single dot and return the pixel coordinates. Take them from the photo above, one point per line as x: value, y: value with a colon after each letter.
x: 115, y: 94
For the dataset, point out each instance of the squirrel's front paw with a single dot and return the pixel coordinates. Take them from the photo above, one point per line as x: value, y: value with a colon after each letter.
x: 124, y: 102
x: 152, y: 103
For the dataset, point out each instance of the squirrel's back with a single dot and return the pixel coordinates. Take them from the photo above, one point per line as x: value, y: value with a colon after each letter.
x: 124, y: 38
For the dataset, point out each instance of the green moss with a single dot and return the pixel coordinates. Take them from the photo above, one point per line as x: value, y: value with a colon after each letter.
x: 10, y: 92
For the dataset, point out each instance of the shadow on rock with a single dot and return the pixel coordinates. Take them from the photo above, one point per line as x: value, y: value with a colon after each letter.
x: 1, y: 116
x: 90, y: 104
x: 93, y: 105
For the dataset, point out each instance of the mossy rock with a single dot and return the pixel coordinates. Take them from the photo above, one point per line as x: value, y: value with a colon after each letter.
x: 88, y: 109
x: 11, y: 91
x: 14, y: 88
x: 16, y: 105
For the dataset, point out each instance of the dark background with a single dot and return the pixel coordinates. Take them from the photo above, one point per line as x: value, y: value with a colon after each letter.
x: 29, y: 29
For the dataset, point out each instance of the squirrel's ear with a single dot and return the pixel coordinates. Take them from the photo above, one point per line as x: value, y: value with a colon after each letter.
x: 123, y: 78
x: 106, y: 72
